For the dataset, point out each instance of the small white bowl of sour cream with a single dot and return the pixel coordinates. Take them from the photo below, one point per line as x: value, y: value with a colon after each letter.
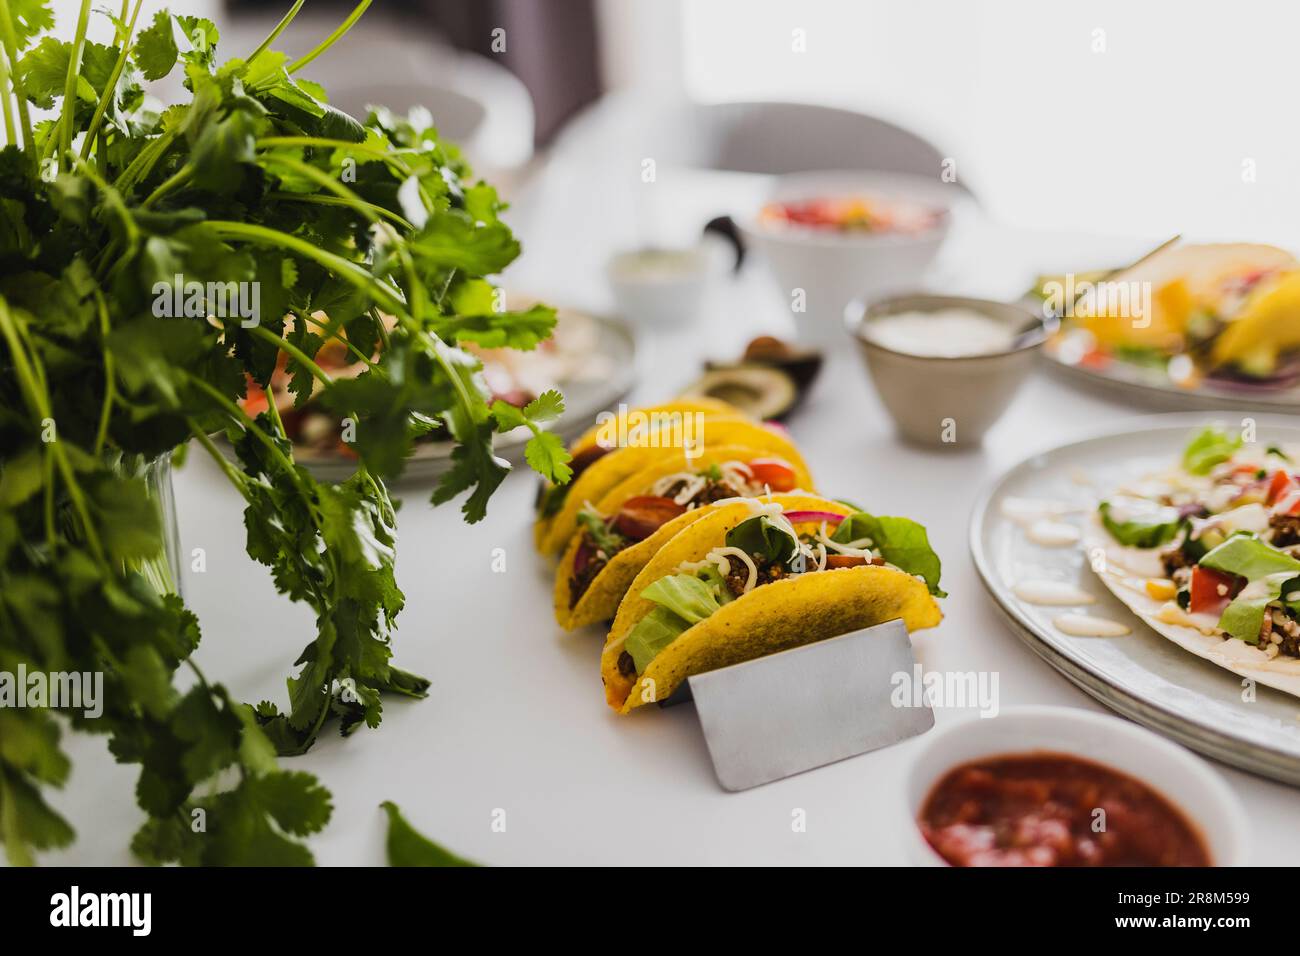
x: 946, y: 367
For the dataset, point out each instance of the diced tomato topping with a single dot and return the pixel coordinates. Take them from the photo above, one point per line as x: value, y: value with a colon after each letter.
x: 254, y: 402
x: 773, y: 472
x: 1279, y: 486
x: 642, y: 516
x: 1094, y: 359
x: 1206, y: 596
x: 845, y: 561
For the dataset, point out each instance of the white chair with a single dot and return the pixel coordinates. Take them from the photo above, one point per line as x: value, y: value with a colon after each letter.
x: 764, y: 137
x: 475, y: 102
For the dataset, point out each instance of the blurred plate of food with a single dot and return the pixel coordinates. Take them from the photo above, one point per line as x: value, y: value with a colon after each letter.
x: 590, y: 359
x: 1189, y: 325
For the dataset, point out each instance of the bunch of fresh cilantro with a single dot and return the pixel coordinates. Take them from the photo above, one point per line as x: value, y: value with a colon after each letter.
x: 368, y: 234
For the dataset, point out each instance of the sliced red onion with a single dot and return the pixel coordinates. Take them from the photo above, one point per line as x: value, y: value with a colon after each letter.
x: 797, y: 516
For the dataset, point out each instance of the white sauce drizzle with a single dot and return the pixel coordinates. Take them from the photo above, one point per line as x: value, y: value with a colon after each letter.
x: 1085, y: 625
x: 1052, y: 534
x: 1026, y: 510
x: 1052, y: 594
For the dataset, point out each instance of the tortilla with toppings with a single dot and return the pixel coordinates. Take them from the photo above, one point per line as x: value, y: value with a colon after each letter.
x: 1208, y: 554
x: 632, y: 424
x: 671, y: 443
x: 753, y: 577
x: 617, y: 535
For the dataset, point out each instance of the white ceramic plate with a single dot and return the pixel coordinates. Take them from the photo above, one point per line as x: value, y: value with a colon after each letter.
x: 614, y: 348
x: 1142, y: 674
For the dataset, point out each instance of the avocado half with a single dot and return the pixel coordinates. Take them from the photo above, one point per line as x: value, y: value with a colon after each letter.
x: 760, y: 391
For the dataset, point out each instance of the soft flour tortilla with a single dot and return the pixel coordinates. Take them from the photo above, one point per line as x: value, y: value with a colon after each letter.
x: 773, y: 617
x: 1127, y: 581
x: 621, y: 463
x: 600, y: 600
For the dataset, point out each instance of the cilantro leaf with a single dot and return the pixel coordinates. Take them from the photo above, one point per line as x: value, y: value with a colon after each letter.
x: 155, y: 48
x: 408, y: 847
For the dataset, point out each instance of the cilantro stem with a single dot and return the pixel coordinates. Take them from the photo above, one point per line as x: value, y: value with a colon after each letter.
x: 70, y: 84
x: 31, y: 380
x: 389, y: 156
x: 235, y: 476
x: 47, y: 468
x: 143, y: 164
x: 252, y: 428
x: 110, y: 387
x: 318, y: 200
x: 107, y: 96
x: 345, y: 269
x: 174, y: 181
x: 279, y: 28
x: 10, y: 39
x: 330, y: 40
x: 332, y: 334
x: 296, y: 353
x: 415, y: 293
x: 113, y: 200
x: 11, y: 135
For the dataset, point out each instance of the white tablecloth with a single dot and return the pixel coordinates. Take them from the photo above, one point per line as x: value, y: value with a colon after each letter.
x: 516, y: 722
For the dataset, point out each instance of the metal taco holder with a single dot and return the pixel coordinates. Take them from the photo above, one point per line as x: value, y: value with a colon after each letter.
x: 780, y: 715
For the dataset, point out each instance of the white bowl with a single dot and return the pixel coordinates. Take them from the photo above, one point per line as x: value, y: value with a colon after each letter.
x: 667, y: 294
x: 834, y: 268
x: 1182, y: 778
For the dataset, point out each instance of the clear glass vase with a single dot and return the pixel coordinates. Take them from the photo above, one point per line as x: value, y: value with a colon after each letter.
x: 163, y: 569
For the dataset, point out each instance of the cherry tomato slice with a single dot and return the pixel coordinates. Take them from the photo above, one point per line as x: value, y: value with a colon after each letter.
x: 642, y: 516
x: 1206, y: 598
x: 1279, y: 486
x: 773, y: 472
x: 254, y: 401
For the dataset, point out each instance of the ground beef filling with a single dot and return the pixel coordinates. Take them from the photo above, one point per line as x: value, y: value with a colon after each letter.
x: 626, y: 666
x: 1280, y: 631
x: 1174, y: 561
x: 1286, y: 530
x: 583, y: 575
x: 716, y: 489
x: 737, y: 577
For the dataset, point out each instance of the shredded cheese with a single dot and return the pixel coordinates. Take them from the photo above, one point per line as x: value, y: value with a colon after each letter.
x: 856, y: 549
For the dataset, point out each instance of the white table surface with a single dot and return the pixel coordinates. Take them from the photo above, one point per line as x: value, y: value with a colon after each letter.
x: 516, y: 719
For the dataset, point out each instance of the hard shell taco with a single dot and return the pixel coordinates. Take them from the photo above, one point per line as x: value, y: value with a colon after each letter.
x: 633, y: 426
x: 687, y: 439
x: 753, y: 577
x: 1208, y: 554
x: 618, y: 534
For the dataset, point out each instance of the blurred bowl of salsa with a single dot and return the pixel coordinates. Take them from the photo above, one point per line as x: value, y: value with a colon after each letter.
x: 1056, y: 786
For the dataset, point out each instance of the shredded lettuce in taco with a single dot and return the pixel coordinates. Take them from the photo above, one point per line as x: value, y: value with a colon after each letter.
x: 768, y: 548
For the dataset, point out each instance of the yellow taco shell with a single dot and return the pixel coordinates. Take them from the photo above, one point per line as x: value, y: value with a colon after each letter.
x: 771, y: 618
x: 620, y: 464
x: 601, y: 599
x: 619, y: 424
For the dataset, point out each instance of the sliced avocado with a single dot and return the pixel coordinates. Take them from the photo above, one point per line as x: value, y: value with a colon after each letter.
x: 757, y: 390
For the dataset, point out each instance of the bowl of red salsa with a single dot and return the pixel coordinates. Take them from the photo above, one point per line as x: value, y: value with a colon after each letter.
x: 1054, y: 786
